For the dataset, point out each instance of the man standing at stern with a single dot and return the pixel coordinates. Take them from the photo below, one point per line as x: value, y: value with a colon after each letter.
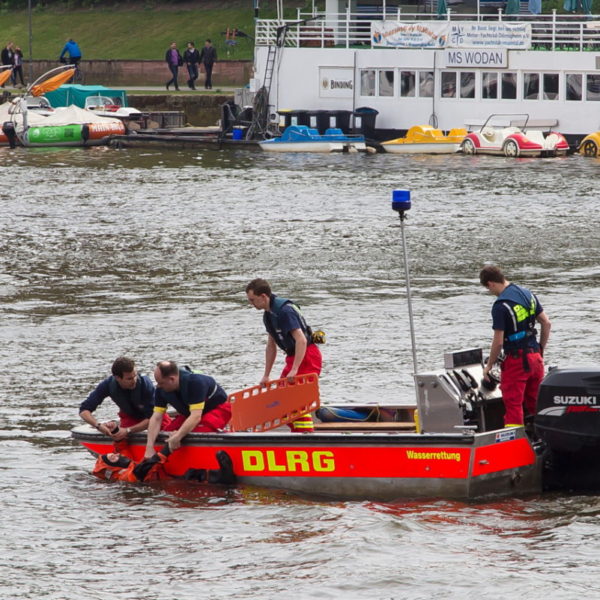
x: 288, y: 330
x: 200, y: 401
x: 514, y: 315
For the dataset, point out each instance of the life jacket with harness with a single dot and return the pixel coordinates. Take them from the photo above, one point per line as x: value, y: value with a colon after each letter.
x: 179, y: 400
x: 271, y: 320
x: 117, y: 467
x: 521, y: 305
x: 130, y: 401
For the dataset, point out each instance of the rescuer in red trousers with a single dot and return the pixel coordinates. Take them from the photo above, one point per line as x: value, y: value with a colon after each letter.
x: 514, y: 316
x: 288, y: 330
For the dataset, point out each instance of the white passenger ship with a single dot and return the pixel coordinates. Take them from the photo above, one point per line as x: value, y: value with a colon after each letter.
x: 449, y: 70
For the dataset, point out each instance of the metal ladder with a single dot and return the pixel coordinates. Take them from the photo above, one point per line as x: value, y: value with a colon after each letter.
x: 270, y: 68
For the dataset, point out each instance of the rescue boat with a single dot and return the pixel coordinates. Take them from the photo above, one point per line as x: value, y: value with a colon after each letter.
x: 458, y: 449
x: 455, y: 446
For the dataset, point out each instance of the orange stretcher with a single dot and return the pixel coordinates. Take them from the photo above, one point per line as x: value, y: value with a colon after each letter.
x: 261, y: 408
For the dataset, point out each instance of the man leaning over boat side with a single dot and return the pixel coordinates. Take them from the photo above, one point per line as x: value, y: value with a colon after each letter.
x: 201, y: 404
x: 131, y: 392
x: 288, y: 330
x: 515, y: 312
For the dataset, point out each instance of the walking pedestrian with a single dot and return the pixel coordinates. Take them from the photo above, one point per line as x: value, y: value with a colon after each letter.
x: 191, y: 58
x: 208, y: 57
x: 174, y: 61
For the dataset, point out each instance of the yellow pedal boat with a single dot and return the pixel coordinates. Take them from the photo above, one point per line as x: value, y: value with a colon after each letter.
x: 590, y: 145
x: 424, y: 139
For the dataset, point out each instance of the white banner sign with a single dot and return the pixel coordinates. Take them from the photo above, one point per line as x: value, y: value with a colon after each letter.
x: 336, y: 82
x: 451, y: 34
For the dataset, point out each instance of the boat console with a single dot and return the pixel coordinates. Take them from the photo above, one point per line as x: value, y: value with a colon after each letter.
x: 454, y: 399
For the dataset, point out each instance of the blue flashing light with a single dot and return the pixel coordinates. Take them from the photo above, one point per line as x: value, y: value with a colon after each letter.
x: 401, y: 200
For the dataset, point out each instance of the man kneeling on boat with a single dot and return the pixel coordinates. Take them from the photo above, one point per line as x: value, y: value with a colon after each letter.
x: 200, y: 401
x: 131, y: 392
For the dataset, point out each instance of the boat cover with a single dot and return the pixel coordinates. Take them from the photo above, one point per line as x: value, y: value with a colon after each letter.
x: 76, y: 94
x: 67, y: 115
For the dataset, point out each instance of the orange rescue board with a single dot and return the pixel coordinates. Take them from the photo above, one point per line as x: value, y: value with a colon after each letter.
x: 261, y: 408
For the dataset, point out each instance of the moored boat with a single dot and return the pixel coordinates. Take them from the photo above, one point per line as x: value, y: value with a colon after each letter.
x: 590, y: 145
x: 424, y: 139
x: 300, y: 138
x: 68, y: 126
x: 516, y: 136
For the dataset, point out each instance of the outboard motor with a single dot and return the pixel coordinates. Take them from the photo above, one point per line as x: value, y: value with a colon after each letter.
x: 8, y: 129
x: 568, y: 421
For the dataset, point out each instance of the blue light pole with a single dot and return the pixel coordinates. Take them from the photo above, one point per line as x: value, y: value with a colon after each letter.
x: 401, y: 204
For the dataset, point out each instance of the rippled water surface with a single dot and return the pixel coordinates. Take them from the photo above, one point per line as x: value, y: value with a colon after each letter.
x: 147, y: 253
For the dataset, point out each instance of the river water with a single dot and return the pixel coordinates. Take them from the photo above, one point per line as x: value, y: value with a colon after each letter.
x: 147, y: 253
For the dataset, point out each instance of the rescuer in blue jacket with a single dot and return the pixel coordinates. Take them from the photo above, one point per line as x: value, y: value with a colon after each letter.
x: 200, y: 401
x: 131, y: 392
x: 514, y: 316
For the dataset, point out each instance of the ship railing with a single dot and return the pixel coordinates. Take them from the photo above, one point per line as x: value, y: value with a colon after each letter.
x: 353, y: 30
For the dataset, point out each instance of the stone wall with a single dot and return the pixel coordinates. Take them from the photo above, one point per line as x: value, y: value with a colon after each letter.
x: 200, y: 110
x: 121, y: 73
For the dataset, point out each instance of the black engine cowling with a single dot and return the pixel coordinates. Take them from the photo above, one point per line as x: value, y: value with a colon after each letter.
x: 568, y: 421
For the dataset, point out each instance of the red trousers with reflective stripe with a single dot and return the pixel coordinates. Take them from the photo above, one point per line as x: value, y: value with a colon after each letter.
x: 520, y: 387
x: 311, y: 363
x: 128, y: 421
x: 211, y: 421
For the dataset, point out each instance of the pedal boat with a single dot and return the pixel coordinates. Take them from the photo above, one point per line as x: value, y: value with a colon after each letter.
x: 376, y: 453
x: 424, y: 139
x: 590, y: 145
x: 300, y: 138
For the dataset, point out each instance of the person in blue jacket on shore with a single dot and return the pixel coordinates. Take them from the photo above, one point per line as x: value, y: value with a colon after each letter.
x: 72, y: 49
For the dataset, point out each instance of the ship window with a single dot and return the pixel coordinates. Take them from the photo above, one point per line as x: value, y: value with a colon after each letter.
x: 509, y: 86
x: 593, y: 88
x: 448, y: 84
x: 531, y: 86
x: 407, y: 83
x: 489, y: 85
x: 573, y: 84
x: 386, y: 83
x: 426, y: 84
x: 467, y: 85
x: 550, y: 86
x: 367, y: 82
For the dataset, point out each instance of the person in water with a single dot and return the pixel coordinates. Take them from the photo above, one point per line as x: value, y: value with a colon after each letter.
x: 200, y: 401
x: 117, y: 467
x: 514, y: 315
x: 131, y: 392
x: 288, y: 330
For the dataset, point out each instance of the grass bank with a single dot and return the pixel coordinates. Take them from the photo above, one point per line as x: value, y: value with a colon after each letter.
x: 127, y: 32
x: 144, y: 31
